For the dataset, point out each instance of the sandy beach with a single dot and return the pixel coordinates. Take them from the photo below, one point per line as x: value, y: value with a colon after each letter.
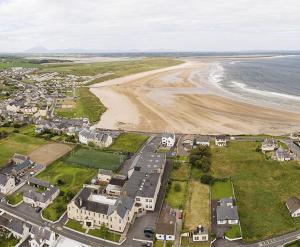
x: 181, y: 99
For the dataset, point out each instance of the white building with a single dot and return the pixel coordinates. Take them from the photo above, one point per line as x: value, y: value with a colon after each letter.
x: 104, y: 175
x: 7, y: 183
x: 269, y: 144
x: 168, y: 140
x: 100, y: 139
x: 42, y: 237
x: 200, y: 234
x: 221, y: 141
x: 202, y: 140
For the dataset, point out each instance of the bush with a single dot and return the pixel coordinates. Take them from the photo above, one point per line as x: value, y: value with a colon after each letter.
x: 60, y: 182
x: 207, y: 179
x: 177, y: 187
x: 16, y: 131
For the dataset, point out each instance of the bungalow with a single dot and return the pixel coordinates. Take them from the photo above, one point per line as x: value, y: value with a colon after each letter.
x: 168, y: 140
x: 293, y: 205
x: 227, y: 213
x: 104, y: 175
x: 187, y: 141
x: 101, y: 139
x: 41, y: 237
x: 200, y: 234
x: 269, y: 144
x: 7, y: 183
x: 282, y: 155
x: 21, y: 168
x: 202, y: 140
x: 166, y: 225
x: 42, y: 196
x: 221, y: 141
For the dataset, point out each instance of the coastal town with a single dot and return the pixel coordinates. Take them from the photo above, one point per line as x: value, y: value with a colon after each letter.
x: 66, y: 182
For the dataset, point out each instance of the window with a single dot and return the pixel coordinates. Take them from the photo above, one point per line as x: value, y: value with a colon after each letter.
x: 150, y: 200
x: 120, y: 221
x: 137, y: 199
x: 196, y: 238
x: 120, y: 228
x: 146, y: 206
x: 146, y: 200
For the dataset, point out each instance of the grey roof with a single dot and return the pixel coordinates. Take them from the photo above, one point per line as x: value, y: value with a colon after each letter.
x: 141, y: 184
x: 293, y: 204
x: 38, y: 182
x: 117, y: 181
x: 202, y: 138
x: 227, y: 213
x: 19, y: 158
x: 94, y: 135
x: 105, y: 172
x: 222, y: 137
x: 24, y: 165
x: 3, y: 179
x: 41, y: 196
x: 167, y: 221
x: 283, y: 154
x: 269, y: 141
x: 121, y: 206
x: 225, y: 201
x: 40, y: 233
x: 16, y: 225
x: 168, y: 135
x: 148, y: 162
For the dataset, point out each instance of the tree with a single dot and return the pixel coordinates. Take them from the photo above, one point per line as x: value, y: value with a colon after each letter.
x: 206, y: 179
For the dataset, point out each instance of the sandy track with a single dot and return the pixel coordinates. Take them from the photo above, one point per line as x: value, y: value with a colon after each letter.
x: 180, y: 99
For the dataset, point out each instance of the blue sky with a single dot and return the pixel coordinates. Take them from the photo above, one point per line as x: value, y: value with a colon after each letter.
x: 190, y: 25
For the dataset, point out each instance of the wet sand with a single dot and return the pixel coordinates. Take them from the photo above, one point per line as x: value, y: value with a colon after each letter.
x: 181, y: 99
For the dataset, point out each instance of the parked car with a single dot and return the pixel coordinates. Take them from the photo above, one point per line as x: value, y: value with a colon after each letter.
x: 149, y: 232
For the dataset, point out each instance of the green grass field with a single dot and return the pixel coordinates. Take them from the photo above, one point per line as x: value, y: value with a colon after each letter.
x: 72, y: 177
x: 261, y: 188
x: 107, y: 235
x: 87, y: 105
x: 177, y: 199
x: 117, y: 68
x: 182, y: 173
x: 17, y: 143
x: 185, y: 243
x: 234, y: 232
x: 95, y: 159
x: 14, y: 198
x: 9, y: 242
x: 221, y: 190
x: 128, y: 142
x: 75, y: 225
x: 294, y: 244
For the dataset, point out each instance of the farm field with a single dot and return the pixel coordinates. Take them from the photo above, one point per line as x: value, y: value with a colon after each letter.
x: 128, y: 142
x: 89, y: 157
x: 70, y: 179
x: 197, y: 209
x: 17, y: 143
x: 49, y: 152
x: 261, y: 187
x: 87, y: 105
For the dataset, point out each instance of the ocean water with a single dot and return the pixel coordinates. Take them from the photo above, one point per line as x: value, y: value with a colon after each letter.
x: 267, y: 82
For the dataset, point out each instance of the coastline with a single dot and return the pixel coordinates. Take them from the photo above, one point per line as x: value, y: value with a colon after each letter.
x: 181, y: 99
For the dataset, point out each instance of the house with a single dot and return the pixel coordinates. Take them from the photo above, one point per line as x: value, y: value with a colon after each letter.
x: 293, y: 205
x: 104, y: 175
x: 202, y: 140
x: 282, y: 155
x: 166, y: 225
x: 95, y: 210
x: 100, y: 139
x: 200, y: 234
x: 168, y: 140
x: 269, y: 144
x: 18, y: 228
x: 295, y: 136
x: 115, y: 185
x: 221, y: 141
x: 41, y: 193
x: 19, y: 158
x: 7, y: 183
x: 41, y: 237
x: 21, y: 168
x: 187, y: 141
x: 226, y: 212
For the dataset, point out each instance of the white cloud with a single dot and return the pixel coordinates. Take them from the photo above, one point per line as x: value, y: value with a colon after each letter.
x: 150, y: 24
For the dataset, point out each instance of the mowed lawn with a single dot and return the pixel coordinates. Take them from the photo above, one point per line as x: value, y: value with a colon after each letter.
x: 128, y: 142
x: 17, y: 143
x: 70, y: 179
x: 94, y: 158
x: 221, y: 190
x: 261, y: 188
x: 197, y: 206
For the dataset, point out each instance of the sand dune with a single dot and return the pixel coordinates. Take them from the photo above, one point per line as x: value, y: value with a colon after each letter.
x: 181, y: 99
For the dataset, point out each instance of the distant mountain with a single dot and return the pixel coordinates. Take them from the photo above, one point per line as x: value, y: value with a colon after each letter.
x: 37, y: 49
